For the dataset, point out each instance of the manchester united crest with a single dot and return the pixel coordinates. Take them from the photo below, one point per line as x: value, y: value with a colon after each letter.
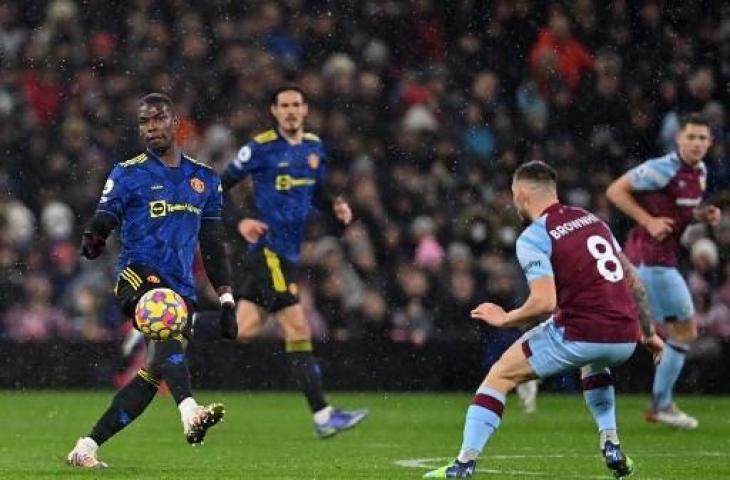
x: 313, y: 161
x: 197, y: 185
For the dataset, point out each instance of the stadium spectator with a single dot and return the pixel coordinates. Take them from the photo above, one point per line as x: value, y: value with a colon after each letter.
x: 426, y: 108
x: 36, y: 319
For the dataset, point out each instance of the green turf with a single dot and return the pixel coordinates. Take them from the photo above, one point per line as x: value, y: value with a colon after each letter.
x: 269, y: 436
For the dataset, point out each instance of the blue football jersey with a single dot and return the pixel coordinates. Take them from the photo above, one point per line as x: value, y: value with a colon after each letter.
x: 285, y: 177
x: 159, y: 210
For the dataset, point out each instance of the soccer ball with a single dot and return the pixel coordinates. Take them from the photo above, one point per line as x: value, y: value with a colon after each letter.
x: 161, y: 314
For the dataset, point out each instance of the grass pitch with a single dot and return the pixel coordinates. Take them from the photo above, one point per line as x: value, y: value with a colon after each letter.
x: 269, y: 436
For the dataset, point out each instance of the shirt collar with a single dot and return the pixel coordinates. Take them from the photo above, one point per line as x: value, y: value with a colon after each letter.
x: 155, y: 156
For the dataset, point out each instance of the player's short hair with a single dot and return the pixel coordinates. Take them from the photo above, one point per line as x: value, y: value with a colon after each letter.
x: 287, y: 88
x: 693, y: 119
x: 538, y: 172
x: 156, y: 98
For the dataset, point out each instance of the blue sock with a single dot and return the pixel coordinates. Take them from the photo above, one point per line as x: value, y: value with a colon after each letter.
x: 667, y: 373
x: 600, y: 397
x: 482, y: 419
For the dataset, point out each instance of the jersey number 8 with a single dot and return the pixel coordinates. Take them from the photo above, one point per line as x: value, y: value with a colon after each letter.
x: 601, y: 250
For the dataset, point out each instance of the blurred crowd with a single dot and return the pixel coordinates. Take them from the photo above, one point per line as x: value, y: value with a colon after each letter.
x: 426, y: 107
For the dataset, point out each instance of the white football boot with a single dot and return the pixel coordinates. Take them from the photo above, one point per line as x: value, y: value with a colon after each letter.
x: 527, y: 393
x: 672, y: 416
x: 84, y: 455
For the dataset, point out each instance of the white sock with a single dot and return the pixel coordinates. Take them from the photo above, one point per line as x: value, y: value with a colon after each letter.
x: 467, y: 455
x: 323, y: 416
x: 188, y: 409
x: 89, y: 444
x: 607, y: 435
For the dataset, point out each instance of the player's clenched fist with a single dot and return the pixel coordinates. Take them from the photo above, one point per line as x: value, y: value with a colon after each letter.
x: 252, y: 229
x: 659, y: 227
x: 490, y: 313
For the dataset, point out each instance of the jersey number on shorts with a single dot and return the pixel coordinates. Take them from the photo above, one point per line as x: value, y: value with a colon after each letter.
x: 601, y: 250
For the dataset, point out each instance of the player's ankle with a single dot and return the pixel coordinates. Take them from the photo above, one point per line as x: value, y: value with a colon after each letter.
x: 323, y: 415
x: 608, y: 435
x: 467, y: 455
x: 89, y: 444
x: 188, y: 410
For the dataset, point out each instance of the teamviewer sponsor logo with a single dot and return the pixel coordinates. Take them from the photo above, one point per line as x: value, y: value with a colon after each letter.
x: 158, y: 208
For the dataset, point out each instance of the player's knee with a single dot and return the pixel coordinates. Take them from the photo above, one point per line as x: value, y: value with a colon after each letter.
x: 248, y: 332
x: 294, y: 324
x: 684, y: 332
x: 249, y: 321
x: 298, y: 332
x: 688, y: 334
x: 691, y: 334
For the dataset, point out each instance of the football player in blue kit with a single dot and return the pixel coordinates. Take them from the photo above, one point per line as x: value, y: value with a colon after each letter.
x: 163, y: 203
x: 287, y: 166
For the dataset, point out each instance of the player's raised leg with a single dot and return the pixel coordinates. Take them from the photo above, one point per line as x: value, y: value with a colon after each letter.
x: 250, y: 318
x: 328, y: 420
x: 169, y: 359
x: 485, y: 413
x: 600, y: 398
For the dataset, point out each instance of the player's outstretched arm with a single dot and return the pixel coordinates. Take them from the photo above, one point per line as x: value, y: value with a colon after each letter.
x: 218, y: 269
x: 620, y: 193
x: 93, y: 240
x: 540, y: 304
x: 650, y: 339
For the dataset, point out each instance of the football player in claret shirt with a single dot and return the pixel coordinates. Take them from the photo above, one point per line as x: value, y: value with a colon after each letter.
x: 664, y: 195
x: 573, y: 263
x: 287, y: 166
x: 163, y: 204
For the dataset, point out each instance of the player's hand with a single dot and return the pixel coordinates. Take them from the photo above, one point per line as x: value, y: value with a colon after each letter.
x: 92, y: 245
x: 709, y: 214
x: 655, y: 345
x: 659, y: 227
x: 490, y: 313
x: 252, y: 229
x: 342, y: 210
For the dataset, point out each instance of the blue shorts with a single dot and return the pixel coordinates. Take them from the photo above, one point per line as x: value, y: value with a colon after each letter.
x: 549, y: 353
x: 668, y: 294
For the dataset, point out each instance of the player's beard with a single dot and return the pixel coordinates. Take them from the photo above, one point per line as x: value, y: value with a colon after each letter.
x: 292, y: 126
x: 160, y: 151
x: 162, y: 148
